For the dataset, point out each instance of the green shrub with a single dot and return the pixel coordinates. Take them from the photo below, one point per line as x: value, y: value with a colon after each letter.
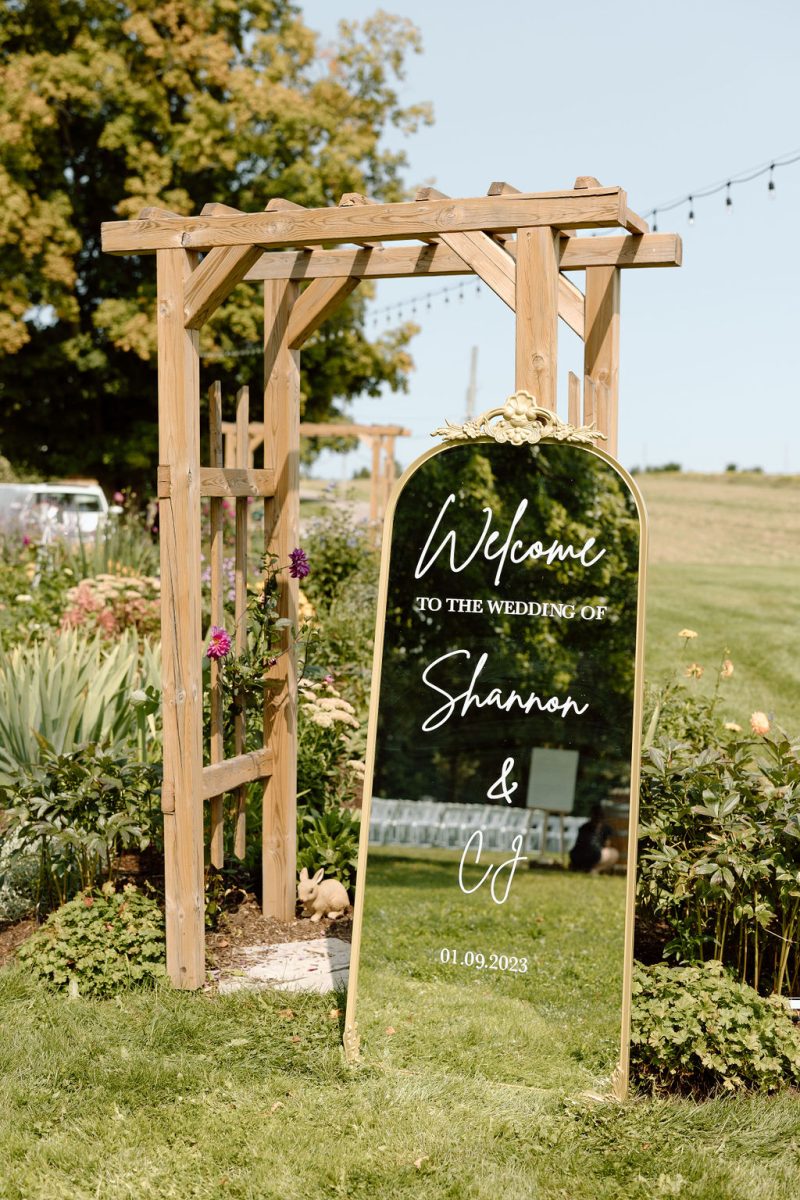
x: 697, y: 1030
x: 720, y: 853
x: 98, y: 944
x: 336, y: 549
x: 76, y: 813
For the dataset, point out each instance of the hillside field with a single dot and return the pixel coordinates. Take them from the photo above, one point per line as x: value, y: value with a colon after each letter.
x: 725, y: 561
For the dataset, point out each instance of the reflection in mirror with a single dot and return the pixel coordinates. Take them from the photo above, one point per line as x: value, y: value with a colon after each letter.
x: 492, y: 887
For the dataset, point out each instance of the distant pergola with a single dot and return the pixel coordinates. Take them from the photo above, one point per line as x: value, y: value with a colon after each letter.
x: 522, y: 245
x: 381, y: 439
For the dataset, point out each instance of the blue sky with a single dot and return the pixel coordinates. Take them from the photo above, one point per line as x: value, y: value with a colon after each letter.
x: 662, y: 100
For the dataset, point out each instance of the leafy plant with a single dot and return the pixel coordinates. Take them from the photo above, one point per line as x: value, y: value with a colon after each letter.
x: 696, y: 1029
x: 70, y: 690
x: 329, y: 839
x: 78, y: 812
x: 100, y: 943
x: 720, y: 853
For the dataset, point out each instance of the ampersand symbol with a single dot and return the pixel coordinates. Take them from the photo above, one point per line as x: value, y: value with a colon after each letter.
x: 500, y: 789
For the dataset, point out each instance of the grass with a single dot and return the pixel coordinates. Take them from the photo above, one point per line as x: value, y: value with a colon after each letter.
x: 171, y: 1096
x: 724, y: 562
x: 555, y: 1025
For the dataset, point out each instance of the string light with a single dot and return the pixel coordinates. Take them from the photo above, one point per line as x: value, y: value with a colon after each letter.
x: 769, y: 167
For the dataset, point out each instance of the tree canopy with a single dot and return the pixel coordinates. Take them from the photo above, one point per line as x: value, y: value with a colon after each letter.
x: 108, y: 106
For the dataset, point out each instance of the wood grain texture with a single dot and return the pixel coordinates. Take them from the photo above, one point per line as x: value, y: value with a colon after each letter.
x: 570, y: 305
x: 236, y: 481
x: 217, y: 555
x: 537, y: 315
x: 240, y: 605
x: 573, y: 399
x: 396, y: 262
x: 182, y: 698
x: 321, y: 298
x: 601, y: 348
x: 587, y: 209
x: 281, y: 529
x: 233, y: 773
x: 214, y: 280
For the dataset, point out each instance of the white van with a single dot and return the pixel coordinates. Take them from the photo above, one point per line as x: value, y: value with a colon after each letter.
x: 46, y: 510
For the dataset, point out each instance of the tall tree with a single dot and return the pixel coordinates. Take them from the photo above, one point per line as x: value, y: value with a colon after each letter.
x: 108, y: 106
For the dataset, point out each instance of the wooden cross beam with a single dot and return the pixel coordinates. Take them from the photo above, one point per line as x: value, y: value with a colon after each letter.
x: 586, y: 208
x: 396, y: 262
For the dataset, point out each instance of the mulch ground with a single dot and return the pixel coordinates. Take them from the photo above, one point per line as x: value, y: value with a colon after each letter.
x: 12, y: 936
x: 247, y: 926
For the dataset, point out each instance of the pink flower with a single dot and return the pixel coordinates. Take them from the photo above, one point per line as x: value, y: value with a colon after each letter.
x: 298, y: 565
x: 119, y: 498
x: 726, y: 670
x: 219, y: 643
x: 759, y: 723
x: 26, y: 541
x: 329, y: 680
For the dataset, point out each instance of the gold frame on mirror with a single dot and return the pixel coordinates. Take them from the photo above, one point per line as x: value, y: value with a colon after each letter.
x: 520, y: 422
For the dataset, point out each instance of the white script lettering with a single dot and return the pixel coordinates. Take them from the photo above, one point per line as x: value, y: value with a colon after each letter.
x: 510, y: 863
x: 495, y: 698
x: 510, y: 548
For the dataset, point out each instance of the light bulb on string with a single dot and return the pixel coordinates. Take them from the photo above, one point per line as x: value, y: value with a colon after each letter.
x: 691, y: 211
x: 728, y: 196
x: 655, y: 220
x: 477, y: 289
x: 771, y: 182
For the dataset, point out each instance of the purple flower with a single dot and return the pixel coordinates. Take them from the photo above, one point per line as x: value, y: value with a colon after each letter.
x: 298, y: 565
x: 219, y: 643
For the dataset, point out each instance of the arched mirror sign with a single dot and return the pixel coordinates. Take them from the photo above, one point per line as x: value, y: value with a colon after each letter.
x: 494, y: 902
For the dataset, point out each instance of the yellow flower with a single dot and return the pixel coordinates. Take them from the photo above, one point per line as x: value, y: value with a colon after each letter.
x: 759, y: 723
x: 732, y: 727
x: 687, y: 633
x: 726, y: 670
x: 694, y: 670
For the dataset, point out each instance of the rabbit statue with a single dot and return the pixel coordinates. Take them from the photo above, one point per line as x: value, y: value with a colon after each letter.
x: 322, y: 897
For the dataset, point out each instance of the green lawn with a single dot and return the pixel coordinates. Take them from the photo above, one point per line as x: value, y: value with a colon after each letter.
x: 175, y: 1096
x: 555, y: 1025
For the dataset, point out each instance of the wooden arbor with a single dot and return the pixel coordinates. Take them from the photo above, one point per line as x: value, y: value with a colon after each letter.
x: 519, y: 244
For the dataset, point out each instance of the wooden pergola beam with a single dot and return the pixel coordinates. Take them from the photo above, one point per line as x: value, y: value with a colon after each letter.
x: 397, y: 262
x: 585, y: 209
x: 493, y: 263
x: 320, y: 299
x: 309, y: 429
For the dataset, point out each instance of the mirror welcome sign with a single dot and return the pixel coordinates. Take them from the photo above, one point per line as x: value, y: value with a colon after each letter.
x: 494, y: 906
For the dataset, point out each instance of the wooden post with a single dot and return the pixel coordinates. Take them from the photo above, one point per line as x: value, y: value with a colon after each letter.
x: 601, y: 349
x: 281, y: 531
x: 216, y: 521
x: 388, y: 471
x: 375, y: 481
x: 181, y: 647
x: 573, y: 399
x: 240, y: 603
x: 537, y: 314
